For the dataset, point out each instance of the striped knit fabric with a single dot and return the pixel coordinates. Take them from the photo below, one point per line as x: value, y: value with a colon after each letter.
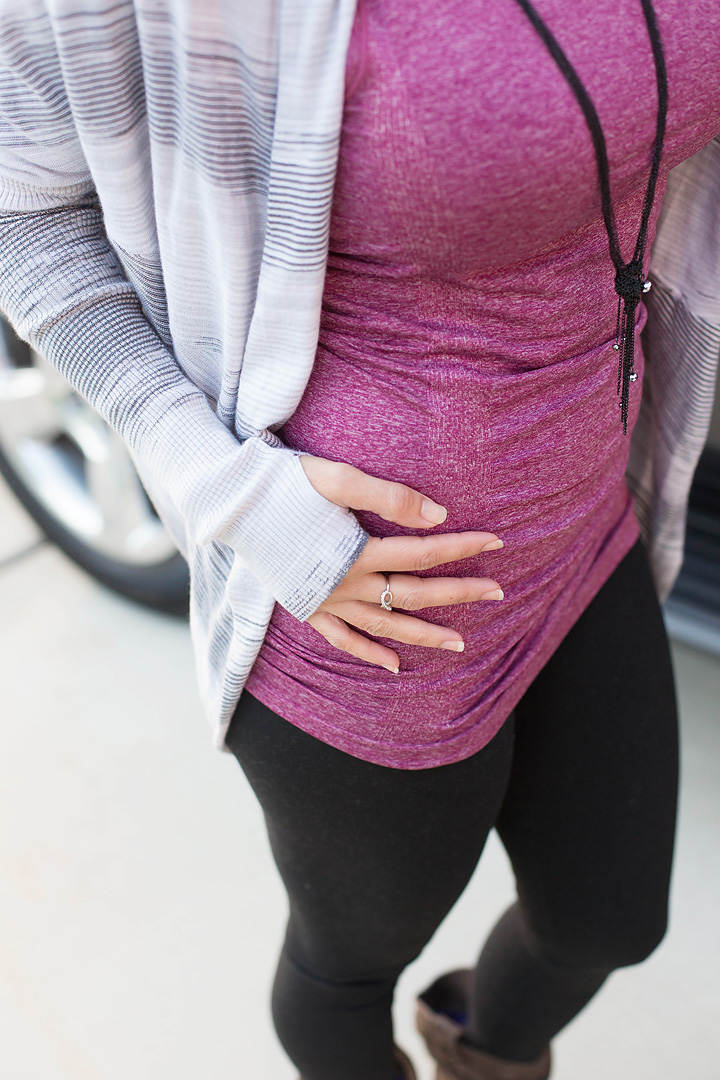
x: 166, y: 176
x: 681, y: 342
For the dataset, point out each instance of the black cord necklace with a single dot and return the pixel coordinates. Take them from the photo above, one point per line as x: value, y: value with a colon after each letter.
x: 630, y: 281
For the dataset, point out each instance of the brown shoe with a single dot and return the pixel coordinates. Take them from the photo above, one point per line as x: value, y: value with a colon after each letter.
x: 403, y: 1063
x: 440, y: 1016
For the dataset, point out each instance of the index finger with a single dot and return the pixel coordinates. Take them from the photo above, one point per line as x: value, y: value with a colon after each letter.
x: 424, y: 552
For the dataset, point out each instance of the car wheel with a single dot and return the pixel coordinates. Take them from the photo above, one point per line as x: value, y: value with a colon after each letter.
x: 76, y: 478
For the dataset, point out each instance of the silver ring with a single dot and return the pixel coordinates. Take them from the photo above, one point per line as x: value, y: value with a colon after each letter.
x: 386, y: 598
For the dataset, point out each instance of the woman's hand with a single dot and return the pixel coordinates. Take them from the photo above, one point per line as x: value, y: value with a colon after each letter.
x: 356, y: 600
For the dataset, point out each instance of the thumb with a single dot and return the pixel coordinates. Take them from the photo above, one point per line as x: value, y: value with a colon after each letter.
x: 351, y: 487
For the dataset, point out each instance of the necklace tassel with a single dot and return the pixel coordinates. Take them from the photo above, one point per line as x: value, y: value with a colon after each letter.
x: 626, y: 366
x: 630, y: 286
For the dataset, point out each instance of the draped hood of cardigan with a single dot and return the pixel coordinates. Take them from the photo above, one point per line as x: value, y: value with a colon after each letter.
x: 166, y: 179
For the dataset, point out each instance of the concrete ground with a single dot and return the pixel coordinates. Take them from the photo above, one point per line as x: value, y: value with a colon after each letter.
x: 140, y: 911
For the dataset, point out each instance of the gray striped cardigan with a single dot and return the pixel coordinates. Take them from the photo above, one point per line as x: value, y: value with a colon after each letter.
x: 166, y: 176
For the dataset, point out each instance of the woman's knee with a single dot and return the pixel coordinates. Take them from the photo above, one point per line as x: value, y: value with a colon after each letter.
x: 620, y: 942
x: 378, y: 951
x: 296, y: 982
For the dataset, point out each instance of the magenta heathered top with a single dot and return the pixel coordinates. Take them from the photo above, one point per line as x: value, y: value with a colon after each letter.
x: 466, y: 338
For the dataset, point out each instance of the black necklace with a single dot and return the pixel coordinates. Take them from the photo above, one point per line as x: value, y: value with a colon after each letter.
x: 630, y: 281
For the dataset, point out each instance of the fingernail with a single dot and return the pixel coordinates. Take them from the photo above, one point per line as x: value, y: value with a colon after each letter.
x: 456, y: 646
x: 494, y: 594
x: 395, y: 670
x: 493, y: 545
x: 433, y: 512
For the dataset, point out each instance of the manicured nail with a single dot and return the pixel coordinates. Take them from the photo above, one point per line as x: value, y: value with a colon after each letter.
x: 433, y: 512
x: 494, y: 594
x: 394, y: 670
x: 456, y: 646
x: 493, y: 545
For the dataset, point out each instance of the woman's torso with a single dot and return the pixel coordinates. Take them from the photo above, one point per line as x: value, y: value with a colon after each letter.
x: 466, y: 339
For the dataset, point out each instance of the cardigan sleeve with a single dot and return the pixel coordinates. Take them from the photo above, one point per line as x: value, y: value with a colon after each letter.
x: 64, y: 291
x: 681, y: 343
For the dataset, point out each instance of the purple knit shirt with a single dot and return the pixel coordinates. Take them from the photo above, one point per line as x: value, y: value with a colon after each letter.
x: 466, y: 338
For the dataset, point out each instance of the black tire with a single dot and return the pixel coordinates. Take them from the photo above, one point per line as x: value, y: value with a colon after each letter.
x: 163, y: 586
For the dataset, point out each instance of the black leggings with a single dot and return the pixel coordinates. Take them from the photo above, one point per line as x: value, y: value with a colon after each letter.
x: 581, y: 785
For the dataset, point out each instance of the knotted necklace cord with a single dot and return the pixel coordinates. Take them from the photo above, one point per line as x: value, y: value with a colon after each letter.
x: 630, y: 282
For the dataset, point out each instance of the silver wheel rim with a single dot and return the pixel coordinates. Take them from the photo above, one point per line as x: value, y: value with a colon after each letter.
x: 75, y: 465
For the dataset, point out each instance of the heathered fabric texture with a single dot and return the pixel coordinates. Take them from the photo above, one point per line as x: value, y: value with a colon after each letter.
x: 166, y: 177
x: 466, y: 342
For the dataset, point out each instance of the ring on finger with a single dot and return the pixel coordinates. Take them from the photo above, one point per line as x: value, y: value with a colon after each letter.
x: 386, y: 597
